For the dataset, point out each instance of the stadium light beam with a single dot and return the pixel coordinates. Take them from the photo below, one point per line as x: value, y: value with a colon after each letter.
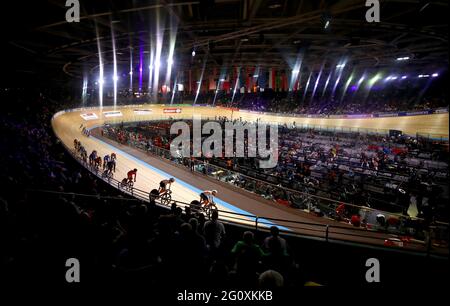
x: 115, y: 77
x: 170, y: 61
x: 317, y: 81
x: 235, y: 85
x: 326, y: 83
x: 84, y: 90
x: 141, y: 63
x: 131, y: 69
x: 157, y: 64
x: 306, y: 87
x: 150, y: 70
x: 201, y: 78
x: 100, y: 70
x: 347, y: 84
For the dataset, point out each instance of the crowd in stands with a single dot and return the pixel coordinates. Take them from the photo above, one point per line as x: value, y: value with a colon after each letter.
x: 395, y: 173
x: 378, y: 100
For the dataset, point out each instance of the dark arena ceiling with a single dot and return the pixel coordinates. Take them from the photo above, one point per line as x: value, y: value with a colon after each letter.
x: 40, y: 45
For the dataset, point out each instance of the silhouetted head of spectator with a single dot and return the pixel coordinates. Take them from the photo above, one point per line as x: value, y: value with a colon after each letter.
x: 185, y: 229
x: 248, y: 237
x: 201, y: 219
x: 153, y: 196
x: 194, y: 223
x: 274, y: 231
x: 142, y: 210
x: 173, y: 207
x: 271, y: 279
x: 214, y: 215
x: 163, y: 224
x: 178, y: 211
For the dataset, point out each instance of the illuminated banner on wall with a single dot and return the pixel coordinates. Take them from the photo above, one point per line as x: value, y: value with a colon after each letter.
x: 89, y: 116
x: 112, y: 114
x: 143, y: 111
x: 172, y: 110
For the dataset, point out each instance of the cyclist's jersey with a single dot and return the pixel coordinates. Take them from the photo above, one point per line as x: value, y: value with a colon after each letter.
x: 131, y: 173
x: 113, y: 156
x: 207, y: 195
x: 106, y: 158
x: 164, y: 183
x: 110, y: 164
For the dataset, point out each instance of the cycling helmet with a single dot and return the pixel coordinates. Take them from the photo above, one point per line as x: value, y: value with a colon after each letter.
x: 214, y: 191
x: 172, y: 180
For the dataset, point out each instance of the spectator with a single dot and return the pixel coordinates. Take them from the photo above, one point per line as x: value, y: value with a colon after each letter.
x: 270, y: 279
x: 248, y: 256
x: 274, y: 243
x: 214, y: 232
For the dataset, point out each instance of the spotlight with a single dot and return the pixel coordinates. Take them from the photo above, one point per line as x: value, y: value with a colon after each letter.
x: 404, y: 77
x: 327, y: 24
x: 193, y: 53
x: 434, y: 75
x: 394, y: 78
x: 115, y: 78
x: 405, y: 58
x: 130, y: 73
x: 255, y: 75
x: 296, y: 71
x: 340, y: 66
x: 361, y: 80
x: 170, y: 61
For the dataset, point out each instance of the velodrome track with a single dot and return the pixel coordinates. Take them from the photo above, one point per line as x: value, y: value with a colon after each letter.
x: 151, y: 171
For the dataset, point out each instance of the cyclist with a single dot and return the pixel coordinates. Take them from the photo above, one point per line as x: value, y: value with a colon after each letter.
x: 76, y: 144
x: 83, y: 153
x: 207, y: 197
x: 106, y: 159
x: 113, y: 156
x: 110, y: 166
x: 92, y: 157
x: 130, y: 175
x: 163, y: 188
x: 112, y: 163
x: 98, y: 162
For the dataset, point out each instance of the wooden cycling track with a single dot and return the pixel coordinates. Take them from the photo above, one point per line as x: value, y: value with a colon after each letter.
x: 151, y: 170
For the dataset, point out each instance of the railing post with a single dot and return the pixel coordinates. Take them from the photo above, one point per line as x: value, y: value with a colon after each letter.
x: 327, y: 232
x: 256, y: 223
